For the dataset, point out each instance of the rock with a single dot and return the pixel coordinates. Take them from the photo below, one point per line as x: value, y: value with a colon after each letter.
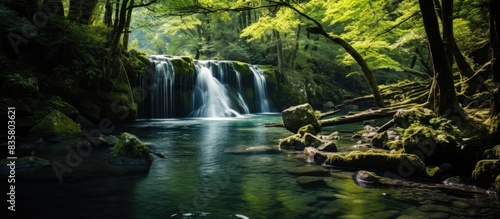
x: 310, y: 181
x: 333, y: 136
x: 129, y: 150
x: 24, y: 164
x: 252, y: 150
x: 311, y: 140
x: 454, y: 181
x: 328, y: 146
x: 298, y: 116
x: 365, y: 178
x: 350, y: 107
x: 437, y: 172
x: 308, y: 171
x: 293, y: 142
x: 434, y: 208
x: 398, y: 163
x: 405, y: 117
x: 56, y: 124
x: 379, y: 140
x: 307, y: 129
x: 369, y: 128
x: 313, y: 155
x: 486, y: 171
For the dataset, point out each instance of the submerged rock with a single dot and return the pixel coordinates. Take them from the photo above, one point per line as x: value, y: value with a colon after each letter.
x: 56, y: 124
x: 298, y: 116
x: 310, y: 181
x: 129, y: 150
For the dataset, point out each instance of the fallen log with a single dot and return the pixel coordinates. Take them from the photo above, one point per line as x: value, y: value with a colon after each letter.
x: 329, y: 113
x: 364, y: 115
x: 274, y: 124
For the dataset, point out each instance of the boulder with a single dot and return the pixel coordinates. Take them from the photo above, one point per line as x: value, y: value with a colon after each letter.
x: 311, y: 140
x: 307, y: 129
x: 55, y: 124
x: 333, y: 136
x: 129, y: 150
x: 398, y: 163
x: 298, y: 116
x: 293, y: 142
x: 486, y: 171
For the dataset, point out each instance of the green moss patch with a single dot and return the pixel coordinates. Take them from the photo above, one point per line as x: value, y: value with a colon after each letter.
x: 56, y: 124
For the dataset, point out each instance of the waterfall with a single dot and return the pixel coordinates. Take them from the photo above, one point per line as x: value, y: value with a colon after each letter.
x: 205, y: 89
x: 160, y: 83
x: 210, y: 97
x: 260, y: 89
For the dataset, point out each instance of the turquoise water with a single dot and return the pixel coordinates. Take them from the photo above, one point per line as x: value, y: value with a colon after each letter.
x: 199, y: 180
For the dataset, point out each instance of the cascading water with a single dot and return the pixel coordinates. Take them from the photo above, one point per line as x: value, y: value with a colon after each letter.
x: 210, y: 98
x: 161, y: 85
x: 207, y: 89
x: 260, y: 89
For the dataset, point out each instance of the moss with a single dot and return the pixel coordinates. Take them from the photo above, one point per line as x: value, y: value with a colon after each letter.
x: 486, y: 171
x: 380, y: 140
x: 396, y: 145
x: 405, y: 118
x: 307, y: 129
x: 403, y: 164
x: 243, y: 69
x: 269, y: 73
x: 130, y: 146
x: 56, y: 103
x: 437, y: 172
x: 297, y: 116
x: 56, y: 124
x: 183, y: 66
x: 290, y: 142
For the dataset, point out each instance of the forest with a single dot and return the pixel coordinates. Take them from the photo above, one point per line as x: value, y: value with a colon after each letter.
x: 428, y: 67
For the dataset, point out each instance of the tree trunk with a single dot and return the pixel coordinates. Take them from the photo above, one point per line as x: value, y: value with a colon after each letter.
x: 447, y: 21
x: 279, y: 53
x: 494, y: 119
x: 347, y: 47
x: 442, y: 98
x: 108, y: 13
x: 75, y: 10
x: 118, y: 30
x: 128, y: 20
x: 293, y: 57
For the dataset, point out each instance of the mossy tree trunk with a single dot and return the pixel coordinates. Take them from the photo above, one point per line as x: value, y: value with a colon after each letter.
x: 442, y: 98
x: 494, y: 119
x: 368, y: 73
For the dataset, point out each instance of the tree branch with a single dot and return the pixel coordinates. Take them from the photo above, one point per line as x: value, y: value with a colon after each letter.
x: 141, y: 5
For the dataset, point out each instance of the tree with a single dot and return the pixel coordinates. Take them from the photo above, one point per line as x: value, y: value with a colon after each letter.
x: 368, y: 73
x: 494, y: 119
x: 442, y: 98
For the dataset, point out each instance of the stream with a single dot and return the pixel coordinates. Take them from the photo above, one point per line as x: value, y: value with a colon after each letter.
x: 197, y: 179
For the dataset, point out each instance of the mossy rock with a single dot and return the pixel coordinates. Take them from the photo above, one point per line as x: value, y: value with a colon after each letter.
x: 56, y: 124
x: 497, y: 184
x: 293, y: 142
x: 406, y: 117
x: 401, y: 164
x: 307, y: 129
x: 243, y: 69
x: 437, y: 172
x: 380, y: 140
x: 56, y: 103
x: 492, y: 153
x: 183, y: 66
x: 129, y: 150
x: 298, y: 116
x: 419, y: 138
x: 486, y: 171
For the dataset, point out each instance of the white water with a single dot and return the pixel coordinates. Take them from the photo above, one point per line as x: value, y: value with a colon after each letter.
x: 210, y: 97
x: 215, y: 90
x: 260, y: 89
